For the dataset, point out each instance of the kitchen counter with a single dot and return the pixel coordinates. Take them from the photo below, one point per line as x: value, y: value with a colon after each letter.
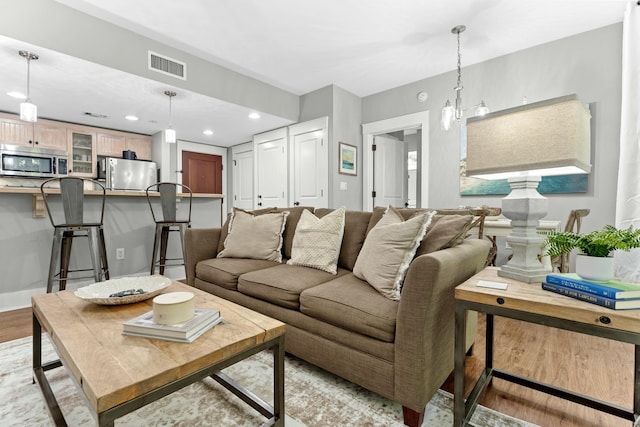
x: 38, y: 203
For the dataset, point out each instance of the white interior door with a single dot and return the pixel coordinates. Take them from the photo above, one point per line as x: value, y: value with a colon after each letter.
x: 243, y: 179
x: 390, y: 174
x: 309, y: 163
x: 270, y: 166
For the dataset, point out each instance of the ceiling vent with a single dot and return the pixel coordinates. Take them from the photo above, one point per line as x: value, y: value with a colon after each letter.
x: 166, y: 65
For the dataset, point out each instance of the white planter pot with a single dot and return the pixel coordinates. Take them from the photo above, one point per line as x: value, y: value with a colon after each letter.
x: 597, y: 269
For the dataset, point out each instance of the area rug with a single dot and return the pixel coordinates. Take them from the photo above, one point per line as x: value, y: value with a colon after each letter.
x: 313, y: 398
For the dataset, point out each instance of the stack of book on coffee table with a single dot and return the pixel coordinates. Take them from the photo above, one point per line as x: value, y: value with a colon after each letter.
x: 144, y: 326
x: 614, y: 294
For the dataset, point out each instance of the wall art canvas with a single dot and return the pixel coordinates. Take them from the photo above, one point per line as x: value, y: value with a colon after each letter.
x: 348, y: 159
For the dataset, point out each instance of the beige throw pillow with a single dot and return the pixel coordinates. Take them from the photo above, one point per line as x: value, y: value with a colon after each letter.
x: 388, y: 250
x: 255, y: 236
x: 317, y: 241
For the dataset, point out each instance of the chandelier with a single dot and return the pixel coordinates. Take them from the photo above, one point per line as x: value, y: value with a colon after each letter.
x: 449, y: 112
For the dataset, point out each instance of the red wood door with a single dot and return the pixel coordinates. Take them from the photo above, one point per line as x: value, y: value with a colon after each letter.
x: 202, y: 172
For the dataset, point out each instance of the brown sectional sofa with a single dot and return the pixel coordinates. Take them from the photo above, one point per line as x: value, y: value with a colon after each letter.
x: 402, y: 350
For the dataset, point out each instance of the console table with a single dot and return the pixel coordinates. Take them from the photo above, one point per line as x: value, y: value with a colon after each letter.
x: 529, y: 303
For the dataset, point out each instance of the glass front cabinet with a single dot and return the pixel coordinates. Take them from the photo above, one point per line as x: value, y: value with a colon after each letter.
x: 82, y: 152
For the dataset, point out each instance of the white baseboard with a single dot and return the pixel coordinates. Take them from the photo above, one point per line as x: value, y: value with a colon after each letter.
x: 22, y: 299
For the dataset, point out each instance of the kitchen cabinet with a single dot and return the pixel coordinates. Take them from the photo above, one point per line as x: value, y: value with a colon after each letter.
x: 113, y: 143
x: 141, y: 144
x: 82, y: 151
x: 43, y: 133
x: 110, y: 144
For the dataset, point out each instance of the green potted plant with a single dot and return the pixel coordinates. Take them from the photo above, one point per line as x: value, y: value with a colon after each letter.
x: 594, y: 262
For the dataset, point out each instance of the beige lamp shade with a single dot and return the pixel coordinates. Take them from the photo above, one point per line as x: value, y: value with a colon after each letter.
x: 551, y: 137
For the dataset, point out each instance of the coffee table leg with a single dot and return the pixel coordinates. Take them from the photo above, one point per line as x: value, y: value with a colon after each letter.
x: 278, y: 381
x: 38, y: 372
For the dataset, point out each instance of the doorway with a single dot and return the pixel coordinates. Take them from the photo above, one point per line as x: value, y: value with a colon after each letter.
x: 417, y: 123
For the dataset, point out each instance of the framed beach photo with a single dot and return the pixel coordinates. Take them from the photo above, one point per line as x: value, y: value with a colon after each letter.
x: 348, y: 159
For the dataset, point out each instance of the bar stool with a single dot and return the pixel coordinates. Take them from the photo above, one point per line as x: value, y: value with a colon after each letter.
x: 68, y: 220
x: 166, y: 218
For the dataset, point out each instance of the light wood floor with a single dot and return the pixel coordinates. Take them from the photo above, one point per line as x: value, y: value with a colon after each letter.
x: 588, y: 365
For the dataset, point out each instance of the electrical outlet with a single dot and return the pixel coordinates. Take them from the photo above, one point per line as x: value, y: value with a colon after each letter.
x: 120, y: 253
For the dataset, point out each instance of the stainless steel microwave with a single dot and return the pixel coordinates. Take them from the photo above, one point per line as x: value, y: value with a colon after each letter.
x: 33, y: 162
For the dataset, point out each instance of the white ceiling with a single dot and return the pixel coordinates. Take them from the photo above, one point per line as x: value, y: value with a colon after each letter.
x: 362, y: 46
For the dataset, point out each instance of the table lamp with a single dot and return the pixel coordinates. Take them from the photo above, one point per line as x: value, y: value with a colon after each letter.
x: 524, y: 143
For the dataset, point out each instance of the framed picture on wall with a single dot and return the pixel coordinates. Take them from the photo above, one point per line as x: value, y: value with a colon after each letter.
x: 348, y: 159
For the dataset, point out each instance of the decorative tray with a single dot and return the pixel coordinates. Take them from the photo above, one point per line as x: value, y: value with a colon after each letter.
x: 100, y: 292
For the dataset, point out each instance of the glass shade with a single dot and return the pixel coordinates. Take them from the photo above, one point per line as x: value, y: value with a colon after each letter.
x: 28, y: 111
x: 447, y: 116
x: 170, y: 136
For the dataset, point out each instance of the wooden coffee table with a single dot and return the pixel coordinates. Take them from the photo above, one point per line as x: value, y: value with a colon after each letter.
x: 118, y: 374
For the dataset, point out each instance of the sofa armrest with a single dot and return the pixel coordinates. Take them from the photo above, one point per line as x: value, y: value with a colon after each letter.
x: 199, y: 244
x: 425, y: 325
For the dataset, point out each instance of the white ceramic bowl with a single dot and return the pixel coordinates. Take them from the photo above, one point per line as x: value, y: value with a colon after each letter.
x: 99, y: 292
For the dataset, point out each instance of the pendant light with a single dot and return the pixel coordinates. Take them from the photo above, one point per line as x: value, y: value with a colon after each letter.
x: 449, y: 112
x: 28, y: 111
x: 170, y: 133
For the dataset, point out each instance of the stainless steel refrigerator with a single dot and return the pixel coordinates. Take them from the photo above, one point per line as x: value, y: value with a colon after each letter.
x: 123, y: 174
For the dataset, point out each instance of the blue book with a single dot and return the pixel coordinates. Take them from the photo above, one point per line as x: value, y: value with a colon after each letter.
x: 614, y: 289
x: 614, y: 304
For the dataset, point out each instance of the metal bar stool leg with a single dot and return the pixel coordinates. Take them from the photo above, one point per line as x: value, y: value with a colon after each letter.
x: 65, y: 257
x: 155, y: 248
x: 94, y: 249
x: 164, y: 240
x: 103, y: 253
x: 55, y: 254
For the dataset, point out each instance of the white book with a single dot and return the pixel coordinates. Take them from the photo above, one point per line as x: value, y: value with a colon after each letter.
x: 190, y: 338
x: 144, y: 324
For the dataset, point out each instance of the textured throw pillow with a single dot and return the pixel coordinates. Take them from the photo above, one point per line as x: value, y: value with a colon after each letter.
x: 388, y: 250
x: 317, y: 241
x: 255, y: 236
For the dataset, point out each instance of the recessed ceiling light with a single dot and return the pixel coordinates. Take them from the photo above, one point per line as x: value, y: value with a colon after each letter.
x: 254, y: 116
x: 16, y: 95
x: 130, y: 117
x: 207, y: 132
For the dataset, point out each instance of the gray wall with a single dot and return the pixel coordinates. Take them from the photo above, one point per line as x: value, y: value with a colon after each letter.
x: 344, y: 111
x: 587, y: 64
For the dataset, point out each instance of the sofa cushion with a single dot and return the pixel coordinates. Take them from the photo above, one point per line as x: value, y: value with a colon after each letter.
x: 317, y: 241
x: 388, y: 250
x: 255, y: 236
x: 355, y: 230
x: 224, y: 231
x: 282, y: 284
x: 352, y: 304
x: 225, y: 271
x: 445, y: 231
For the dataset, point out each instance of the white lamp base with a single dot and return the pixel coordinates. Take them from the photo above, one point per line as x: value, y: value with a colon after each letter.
x: 524, y: 206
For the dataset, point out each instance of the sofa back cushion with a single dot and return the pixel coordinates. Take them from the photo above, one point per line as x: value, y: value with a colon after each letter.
x: 355, y: 230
